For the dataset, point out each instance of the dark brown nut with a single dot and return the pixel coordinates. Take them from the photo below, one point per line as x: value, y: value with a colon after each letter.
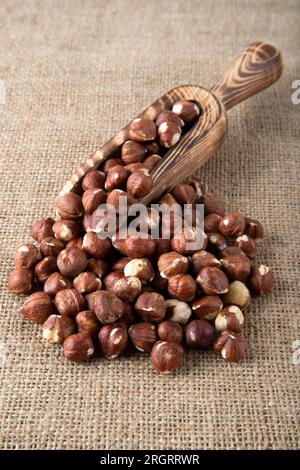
x: 128, y: 288
x: 140, y: 268
x: 139, y: 183
x: 254, y: 228
x: 166, y: 357
x: 142, y: 130
x: 113, y: 339
x: 56, y: 329
x: 139, y: 247
x: 114, y: 196
x: 20, y: 280
x: 116, y: 177
x: 55, y: 283
x: 136, y: 167
x: 42, y: 229
x: 69, y: 302
x: 247, y: 245
x: 107, y: 306
x: 187, y: 110
x: 170, y: 331
x: 120, y: 264
x: 72, y: 262
x: 230, y: 250
x: 202, y: 259
x: 199, y: 334
x: 128, y: 318
x: 233, y: 225
x: 207, y: 307
x: 151, y: 306
x: 69, y: 206
x: 108, y: 164
x: 27, y: 256
x: 261, y: 279
x: 159, y: 284
x: 172, y: 263
x: 152, y: 148
x: 66, y: 230
x: 37, y: 307
x: 98, y: 267
x: 189, y: 240
x: 96, y: 246
x: 50, y: 246
x: 238, y: 295
x: 168, y: 116
x: 169, y: 134
x: 184, y: 194
x: 79, y: 347
x: 231, y: 318
x: 132, y: 152
x: 212, y: 204
x: 211, y: 222
x: 45, y: 268
x: 237, y: 266
x: 231, y: 346
x: 151, y: 161
x: 178, y: 311
x: 212, y: 281
x: 88, y: 322
x: 76, y: 242
x: 90, y: 300
x: 93, y: 179
x: 163, y: 245
x: 216, y: 242
x: 182, y: 287
x: 143, y: 336
x: 92, y: 199
x: 111, y: 279
x: 87, y: 282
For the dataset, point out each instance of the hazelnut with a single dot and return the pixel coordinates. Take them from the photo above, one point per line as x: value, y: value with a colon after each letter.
x: 202, y: 259
x: 66, y: 230
x: 139, y: 247
x: 152, y: 148
x: 211, y: 222
x: 45, y: 268
x: 76, y: 242
x: 72, y: 262
x: 199, y: 334
x: 140, y: 268
x: 182, y: 287
x: 151, y: 306
x: 98, y: 267
x: 96, y: 246
x: 163, y: 245
x: 50, y: 246
x: 93, y: 179
x: 79, y: 347
x: 233, y: 225
x: 172, y: 263
x: 230, y: 250
x: 20, y: 280
x: 247, y: 245
x: 254, y: 228
x: 55, y: 283
x: 212, y: 204
x: 212, y: 280
x: 92, y: 199
x: 187, y: 110
x: 56, y: 329
x: 114, y: 196
x: 116, y: 177
x: 142, y: 130
x: 168, y: 116
x: 107, y: 306
x: 113, y: 339
x: 90, y: 300
x: 189, y: 240
x: 231, y: 318
x: 178, y: 311
x: 231, y: 345
x: 169, y: 134
x: 108, y: 164
x: 111, y: 279
x: 120, y: 264
x: 69, y: 206
x: 136, y: 167
x: 159, y: 283
x: 37, y: 307
x: 207, y: 307
x: 128, y: 288
x: 69, y: 302
x: 261, y: 279
x: 87, y: 282
x: 170, y: 331
x: 166, y: 357
x: 184, y: 194
x: 88, y: 322
x: 139, y: 183
x: 216, y: 242
x: 237, y: 266
x: 27, y: 256
x: 42, y: 229
x: 151, y: 161
x: 132, y: 152
x: 143, y: 336
x: 238, y: 295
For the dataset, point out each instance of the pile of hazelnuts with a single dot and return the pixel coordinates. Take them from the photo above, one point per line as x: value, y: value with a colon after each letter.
x: 102, y: 296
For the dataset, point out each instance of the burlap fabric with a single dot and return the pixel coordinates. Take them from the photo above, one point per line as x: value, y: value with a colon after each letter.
x: 74, y: 73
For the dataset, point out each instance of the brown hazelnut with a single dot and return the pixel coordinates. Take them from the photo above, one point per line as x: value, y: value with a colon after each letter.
x: 143, y: 336
x: 128, y: 288
x: 27, y: 256
x: 139, y: 183
x: 261, y: 279
x: 152, y: 148
x: 199, y: 334
x: 50, y: 246
x: 237, y: 266
x: 79, y: 347
x: 107, y: 306
x: 151, y: 306
x: 55, y: 283
x: 238, y: 295
x: 136, y: 167
x: 168, y: 116
x: 231, y: 346
x: 169, y: 134
x: 170, y: 331
x: 69, y: 206
x: 132, y: 152
x: 45, y: 268
x: 56, y: 329
x: 140, y: 268
x: 42, y: 229
x: 211, y: 222
x: 88, y: 322
x: 163, y: 245
x: 151, y: 161
x: 116, y: 177
x: 108, y: 164
x: 178, y: 311
x: 69, y: 302
x: 202, y: 259
x: 207, y: 307
x: 231, y: 318
x: 114, y: 196
x: 233, y: 225
x: 212, y: 281
x: 90, y: 300
x: 96, y: 246
x: 93, y: 179
x: 166, y: 357
x: 98, y: 266
x: 230, y: 250
x: 184, y: 194
x: 72, y: 262
x: 139, y: 247
x: 187, y: 110
x: 37, y: 307
x: 92, y: 199
x: 216, y: 242
x: 212, y: 204
x: 87, y: 282
x: 142, y: 130
x: 76, y: 242
x: 113, y: 339
x: 20, y: 280
x: 172, y: 263
x: 247, y: 245
x: 120, y: 264
x: 254, y: 228
x: 111, y: 279
x: 189, y: 240
x: 182, y: 287
x: 66, y: 230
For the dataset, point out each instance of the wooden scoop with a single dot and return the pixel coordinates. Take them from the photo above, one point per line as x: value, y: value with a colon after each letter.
x: 255, y: 69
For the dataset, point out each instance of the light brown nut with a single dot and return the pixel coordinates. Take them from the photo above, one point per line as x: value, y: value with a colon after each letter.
x: 93, y: 179
x: 172, y: 263
x: 139, y: 183
x: 187, y: 110
x: 140, y: 268
x: 107, y: 306
x: 27, y: 256
x: 233, y: 225
x: 72, y: 262
x: 96, y: 246
x: 55, y: 283
x: 116, y: 177
x: 42, y: 229
x: 142, y: 130
x: 128, y: 288
x: 66, y: 230
x: 166, y: 357
x: 231, y: 346
x: 178, y: 311
x: 92, y: 199
x: 69, y: 206
x: 88, y: 322
x: 45, y: 268
x: 238, y: 294
x: 169, y: 116
x: 230, y: 318
x: 69, y: 302
x: 20, y: 280
x: 37, y: 307
x: 87, y: 282
x: 50, y: 246
x: 169, y: 134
